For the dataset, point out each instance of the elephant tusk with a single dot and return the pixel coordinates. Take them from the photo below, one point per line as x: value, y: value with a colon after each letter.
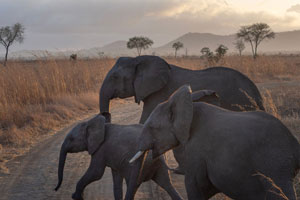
x: 136, y: 156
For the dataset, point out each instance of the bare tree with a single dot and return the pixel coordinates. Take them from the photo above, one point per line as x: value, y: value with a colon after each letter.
x: 240, y: 46
x: 255, y: 34
x: 8, y: 35
x: 139, y: 43
x: 177, y: 45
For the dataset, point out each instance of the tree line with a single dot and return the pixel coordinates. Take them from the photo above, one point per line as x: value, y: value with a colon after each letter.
x: 253, y: 34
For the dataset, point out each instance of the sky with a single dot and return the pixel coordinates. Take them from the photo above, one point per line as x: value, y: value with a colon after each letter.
x: 80, y: 24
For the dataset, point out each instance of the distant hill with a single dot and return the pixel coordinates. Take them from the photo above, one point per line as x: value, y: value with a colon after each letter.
x: 284, y: 42
x: 194, y: 42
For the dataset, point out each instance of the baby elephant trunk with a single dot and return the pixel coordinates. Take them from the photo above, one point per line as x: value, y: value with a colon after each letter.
x: 61, y: 165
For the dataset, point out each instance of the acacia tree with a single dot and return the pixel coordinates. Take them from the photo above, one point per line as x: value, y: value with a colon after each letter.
x: 177, y: 45
x: 207, y: 54
x: 220, y: 52
x: 205, y: 51
x: 240, y: 46
x: 8, y: 35
x: 255, y: 34
x: 140, y: 43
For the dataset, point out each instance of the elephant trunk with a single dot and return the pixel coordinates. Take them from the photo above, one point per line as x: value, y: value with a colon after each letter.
x: 105, y: 95
x: 61, y: 165
x: 135, y: 175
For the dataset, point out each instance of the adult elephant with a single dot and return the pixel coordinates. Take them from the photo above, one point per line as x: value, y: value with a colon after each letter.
x: 152, y: 80
x: 245, y: 155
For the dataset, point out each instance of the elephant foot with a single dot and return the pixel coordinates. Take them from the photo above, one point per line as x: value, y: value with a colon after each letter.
x: 178, y: 170
x: 77, y: 196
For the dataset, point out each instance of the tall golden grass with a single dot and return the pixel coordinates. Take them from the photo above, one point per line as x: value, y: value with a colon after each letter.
x: 36, y: 96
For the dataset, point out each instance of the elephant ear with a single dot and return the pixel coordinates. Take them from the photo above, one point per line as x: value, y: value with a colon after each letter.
x: 95, y: 133
x: 181, y: 113
x: 152, y: 74
x: 208, y: 96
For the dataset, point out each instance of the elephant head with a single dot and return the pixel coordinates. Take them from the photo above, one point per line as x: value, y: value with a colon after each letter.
x: 169, y: 123
x: 86, y: 136
x: 138, y: 77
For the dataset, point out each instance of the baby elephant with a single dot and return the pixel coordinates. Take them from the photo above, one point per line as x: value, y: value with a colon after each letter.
x: 112, y: 145
x: 225, y: 151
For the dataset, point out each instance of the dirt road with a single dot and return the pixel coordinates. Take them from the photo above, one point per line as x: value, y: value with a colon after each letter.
x: 34, y: 175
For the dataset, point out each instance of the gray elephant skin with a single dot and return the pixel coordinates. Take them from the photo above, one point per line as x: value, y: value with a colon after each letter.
x: 112, y: 145
x: 226, y: 151
x: 152, y: 80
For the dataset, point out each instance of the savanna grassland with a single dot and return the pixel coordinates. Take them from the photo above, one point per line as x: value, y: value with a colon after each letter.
x: 39, y: 97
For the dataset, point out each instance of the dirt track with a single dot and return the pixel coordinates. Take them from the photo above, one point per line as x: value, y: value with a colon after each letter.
x: 34, y: 175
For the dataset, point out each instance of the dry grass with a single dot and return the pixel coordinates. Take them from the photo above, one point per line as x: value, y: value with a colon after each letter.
x: 39, y: 95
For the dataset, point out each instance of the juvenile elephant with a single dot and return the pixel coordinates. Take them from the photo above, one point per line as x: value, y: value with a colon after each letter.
x: 225, y: 151
x: 112, y: 145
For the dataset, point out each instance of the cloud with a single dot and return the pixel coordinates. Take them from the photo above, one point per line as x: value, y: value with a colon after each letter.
x: 294, y: 8
x: 89, y: 23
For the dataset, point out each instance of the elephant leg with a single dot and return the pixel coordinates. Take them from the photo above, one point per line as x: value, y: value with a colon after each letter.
x: 94, y: 172
x: 118, y: 185
x: 179, y: 157
x: 131, y: 191
x: 194, y: 192
x: 162, y: 178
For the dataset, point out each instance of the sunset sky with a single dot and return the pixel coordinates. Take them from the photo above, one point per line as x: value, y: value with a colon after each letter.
x: 77, y: 24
